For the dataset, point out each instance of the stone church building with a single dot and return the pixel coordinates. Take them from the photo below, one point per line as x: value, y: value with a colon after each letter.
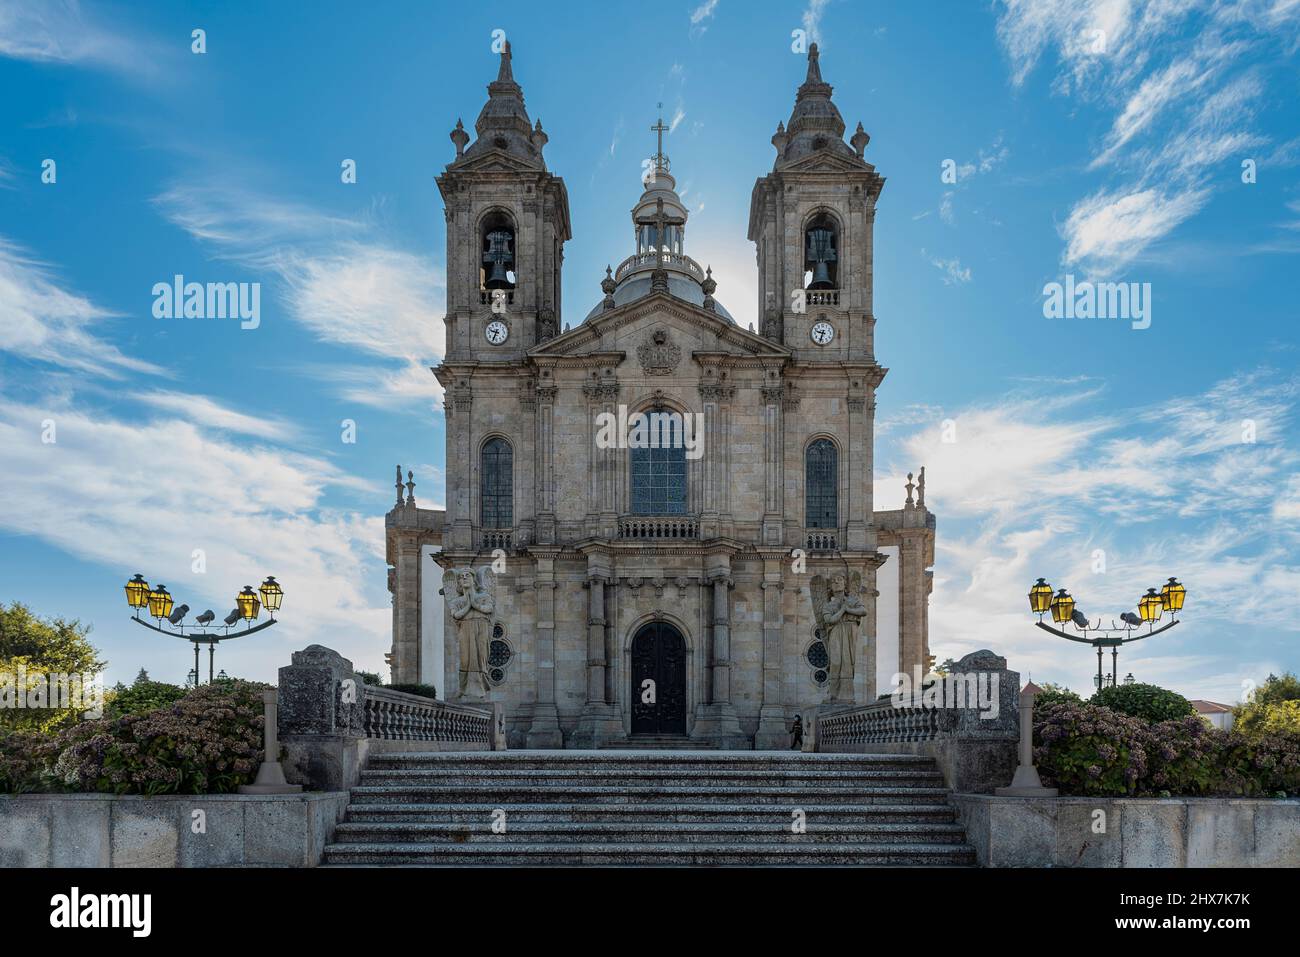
x: 687, y: 567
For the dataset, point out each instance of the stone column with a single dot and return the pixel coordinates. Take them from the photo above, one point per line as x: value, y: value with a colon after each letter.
x: 721, y: 641
x: 859, y: 476
x: 773, y: 452
x: 544, y: 480
x: 596, y: 641
x: 544, y: 732
x: 911, y: 600
x: 772, y: 733
x: 459, y: 405
x: 406, y: 607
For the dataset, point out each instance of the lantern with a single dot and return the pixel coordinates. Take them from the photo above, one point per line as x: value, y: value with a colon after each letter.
x: 1062, y: 607
x: 272, y: 594
x: 160, y: 602
x: 1172, y: 596
x: 1040, y: 597
x: 1149, y: 606
x: 247, y: 603
x: 137, y: 591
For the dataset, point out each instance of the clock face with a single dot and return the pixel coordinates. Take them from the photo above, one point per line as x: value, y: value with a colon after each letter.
x: 496, y: 332
x: 822, y: 332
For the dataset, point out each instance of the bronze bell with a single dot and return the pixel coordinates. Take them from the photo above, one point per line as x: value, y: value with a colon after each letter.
x: 821, y: 253
x: 500, y: 256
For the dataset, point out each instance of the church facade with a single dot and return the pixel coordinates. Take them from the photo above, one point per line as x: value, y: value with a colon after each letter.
x: 656, y: 487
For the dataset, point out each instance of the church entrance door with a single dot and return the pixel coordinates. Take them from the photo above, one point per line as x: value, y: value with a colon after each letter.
x: 658, y: 680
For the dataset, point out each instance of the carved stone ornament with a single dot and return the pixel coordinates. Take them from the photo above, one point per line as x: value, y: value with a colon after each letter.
x: 659, y: 355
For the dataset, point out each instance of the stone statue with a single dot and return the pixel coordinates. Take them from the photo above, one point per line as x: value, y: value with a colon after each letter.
x: 838, y: 608
x: 472, y: 607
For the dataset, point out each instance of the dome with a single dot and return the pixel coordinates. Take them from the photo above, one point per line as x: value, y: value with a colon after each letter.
x: 659, y: 226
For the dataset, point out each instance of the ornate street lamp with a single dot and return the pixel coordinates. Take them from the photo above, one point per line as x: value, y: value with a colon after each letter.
x: 271, y: 594
x: 1040, y: 598
x: 1062, y: 607
x: 160, y: 602
x: 1149, y: 608
x: 247, y: 605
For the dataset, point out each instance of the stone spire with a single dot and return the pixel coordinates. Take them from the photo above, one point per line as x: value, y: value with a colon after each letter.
x: 503, y: 123
x: 815, y: 123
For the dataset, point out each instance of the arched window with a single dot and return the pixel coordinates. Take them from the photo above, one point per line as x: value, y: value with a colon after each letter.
x: 821, y: 485
x: 497, y: 500
x: 821, y: 253
x: 498, y: 261
x: 657, y: 459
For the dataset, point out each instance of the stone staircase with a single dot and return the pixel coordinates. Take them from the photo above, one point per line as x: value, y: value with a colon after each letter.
x: 625, y: 808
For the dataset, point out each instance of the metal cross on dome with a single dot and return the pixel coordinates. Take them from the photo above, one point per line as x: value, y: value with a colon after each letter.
x: 661, y: 161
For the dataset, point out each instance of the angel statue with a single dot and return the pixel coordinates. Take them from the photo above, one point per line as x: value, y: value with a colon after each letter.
x: 838, y: 608
x: 472, y: 607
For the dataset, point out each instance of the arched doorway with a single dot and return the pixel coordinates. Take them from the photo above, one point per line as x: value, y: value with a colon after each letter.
x: 658, y: 680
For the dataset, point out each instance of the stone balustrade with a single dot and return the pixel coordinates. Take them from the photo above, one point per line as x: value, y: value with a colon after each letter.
x: 667, y: 527
x: 649, y: 260
x: 331, y: 721
x: 821, y: 540
x: 822, y: 297
x: 390, y: 715
x: 970, y: 725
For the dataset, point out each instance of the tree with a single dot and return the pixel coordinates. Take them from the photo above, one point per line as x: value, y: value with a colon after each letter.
x: 141, y: 676
x: 41, y: 647
x: 1277, y: 689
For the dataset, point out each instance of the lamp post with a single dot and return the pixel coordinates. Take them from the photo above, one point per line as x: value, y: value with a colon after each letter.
x: 162, y: 608
x: 1150, y: 608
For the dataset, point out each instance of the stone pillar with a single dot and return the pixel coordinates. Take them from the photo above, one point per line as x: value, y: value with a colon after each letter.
x: 773, y: 459
x: 544, y: 473
x: 772, y: 733
x: 600, y: 723
x: 544, y: 732
x: 406, y: 608
x: 721, y: 641
x: 859, y: 476
x: 596, y: 641
x: 911, y: 601
x: 459, y: 405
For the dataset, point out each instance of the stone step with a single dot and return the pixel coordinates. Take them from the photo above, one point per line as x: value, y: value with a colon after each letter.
x: 647, y: 815
x: 648, y: 854
x: 639, y: 832
x: 542, y: 760
x: 804, y: 796
x: 559, y: 777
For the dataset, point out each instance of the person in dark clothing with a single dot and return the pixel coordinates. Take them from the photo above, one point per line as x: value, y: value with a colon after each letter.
x: 797, y: 734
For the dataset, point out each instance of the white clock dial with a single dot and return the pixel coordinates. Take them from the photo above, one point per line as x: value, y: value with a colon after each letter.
x: 822, y: 332
x: 496, y: 332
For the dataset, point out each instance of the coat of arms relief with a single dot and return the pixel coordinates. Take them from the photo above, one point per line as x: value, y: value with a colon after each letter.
x: 658, y: 354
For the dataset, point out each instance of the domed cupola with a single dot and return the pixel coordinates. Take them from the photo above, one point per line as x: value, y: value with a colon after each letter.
x: 503, y: 122
x: 815, y: 123
x: 660, y: 263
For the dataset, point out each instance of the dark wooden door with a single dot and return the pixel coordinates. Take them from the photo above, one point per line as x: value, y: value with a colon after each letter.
x: 658, y: 656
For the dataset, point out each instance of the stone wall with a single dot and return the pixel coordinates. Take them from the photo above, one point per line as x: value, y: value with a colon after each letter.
x: 1138, y: 832
x: 107, y: 830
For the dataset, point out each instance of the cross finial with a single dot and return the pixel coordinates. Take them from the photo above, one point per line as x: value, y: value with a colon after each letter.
x: 661, y: 161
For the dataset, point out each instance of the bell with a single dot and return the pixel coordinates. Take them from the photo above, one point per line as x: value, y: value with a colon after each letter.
x: 821, y: 252
x: 500, y: 257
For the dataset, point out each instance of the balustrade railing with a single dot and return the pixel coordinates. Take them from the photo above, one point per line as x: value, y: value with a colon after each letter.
x: 397, y: 716
x: 659, y: 527
x: 670, y: 261
x: 822, y: 539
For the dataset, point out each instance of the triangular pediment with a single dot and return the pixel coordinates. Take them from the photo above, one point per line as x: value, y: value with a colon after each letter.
x: 826, y: 161
x: 493, y: 161
x: 630, y: 329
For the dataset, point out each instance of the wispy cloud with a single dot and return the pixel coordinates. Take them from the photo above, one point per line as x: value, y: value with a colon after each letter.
x: 45, y: 322
x: 58, y: 32
x: 1180, y: 79
x: 952, y: 269
x: 337, y: 280
x: 812, y: 21
x: 701, y: 16
x: 1035, y: 484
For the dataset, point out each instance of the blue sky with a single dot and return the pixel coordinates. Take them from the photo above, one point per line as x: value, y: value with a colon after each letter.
x: 1093, y: 138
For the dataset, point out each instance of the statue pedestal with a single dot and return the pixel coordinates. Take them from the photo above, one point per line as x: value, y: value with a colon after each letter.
x: 599, y: 726
x: 718, y: 725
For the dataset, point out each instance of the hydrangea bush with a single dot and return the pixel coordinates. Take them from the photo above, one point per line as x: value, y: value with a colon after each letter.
x: 208, y: 742
x: 1087, y: 749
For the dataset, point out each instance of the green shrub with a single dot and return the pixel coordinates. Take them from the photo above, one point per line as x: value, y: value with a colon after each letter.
x: 207, y: 742
x: 1055, y: 694
x: 1148, y: 702
x: 369, y: 677
x: 424, y: 691
x: 1089, y: 750
x: 1256, y: 719
x: 143, y: 696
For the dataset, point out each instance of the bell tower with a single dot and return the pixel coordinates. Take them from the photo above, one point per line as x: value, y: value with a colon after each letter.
x: 812, y: 220
x: 507, y: 222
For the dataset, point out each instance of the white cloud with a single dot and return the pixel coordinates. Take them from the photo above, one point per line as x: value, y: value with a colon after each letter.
x: 812, y: 21
x: 56, y: 31
x: 700, y: 15
x: 1033, y: 485
x: 44, y: 322
x: 203, y: 411
x: 337, y: 282
x: 953, y: 271
x: 143, y: 495
x: 1107, y: 230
